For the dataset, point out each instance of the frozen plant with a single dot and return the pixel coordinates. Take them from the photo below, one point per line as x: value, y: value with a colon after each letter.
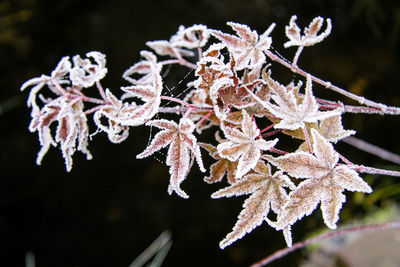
x: 234, y: 94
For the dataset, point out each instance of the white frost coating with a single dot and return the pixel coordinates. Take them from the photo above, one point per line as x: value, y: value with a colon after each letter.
x: 310, y: 36
x: 85, y: 73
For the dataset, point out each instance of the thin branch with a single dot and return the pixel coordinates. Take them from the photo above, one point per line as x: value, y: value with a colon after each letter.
x: 101, y: 91
x: 372, y: 149
x: 205, y: 117
x: 371, y: 170
x: 381, y: 107
x: 296, y: 56
x: 282, y: 252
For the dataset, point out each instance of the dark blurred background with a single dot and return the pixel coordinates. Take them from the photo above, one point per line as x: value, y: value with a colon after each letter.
x: 108, y: 210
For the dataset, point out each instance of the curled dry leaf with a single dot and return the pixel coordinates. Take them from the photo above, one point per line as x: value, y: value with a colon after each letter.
x: 192, y: 37
x: 146, y: 68
x: 195, y: 36
x: 148, y: 89
x: 332, y: 129
x: 58, y: 76
x: 115, y: 112
x: 85, y: 73
x: 72, y: 129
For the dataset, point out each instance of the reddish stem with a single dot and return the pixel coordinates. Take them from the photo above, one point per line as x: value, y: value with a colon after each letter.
x: 177, y: 101
x: 205, y: 117
x: 277, y: 151
x: 101, y: 91
x: 267, y: 128
x: 271, y: 133
x: 344, y: 159
x: 307, y: 139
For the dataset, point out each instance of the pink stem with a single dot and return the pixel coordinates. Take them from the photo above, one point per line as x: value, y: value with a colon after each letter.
x: 267, y: 128
x: 296, y: 56
x: 205, y: 117
x: 345, y: 159
x: 307, y: 139
x: 89, y: 111
x: 177, y: 101
x: 61, y: 90
x: 101, y: 91
x: 271, y: 133
x: 277, y: 151
x: 88, y: 99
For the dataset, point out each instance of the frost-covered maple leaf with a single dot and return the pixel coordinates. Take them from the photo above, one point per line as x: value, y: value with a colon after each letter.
x: 142, y: 113
x: 211, y: 67
x: 267, y: 192
x: 310, y: 36
x: 182, y: 144
x: 58, y: 76
x: 148, y: 89
x: 243, y: 145
x: 85, y: 73
x: 248, y: 47
x: 146, y: 68
x: 194, y: 36
x: 293, y: 114
x: 332, y: 129
x: 72, y: 128
x: 326, y: 181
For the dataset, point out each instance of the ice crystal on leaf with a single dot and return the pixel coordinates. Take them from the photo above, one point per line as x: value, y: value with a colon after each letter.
x: 248, y: 49
x: 182, y: 144
x: 325, y: 182
x: 267, y: 193
x: 310, y: 36
x: 243, y: 145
